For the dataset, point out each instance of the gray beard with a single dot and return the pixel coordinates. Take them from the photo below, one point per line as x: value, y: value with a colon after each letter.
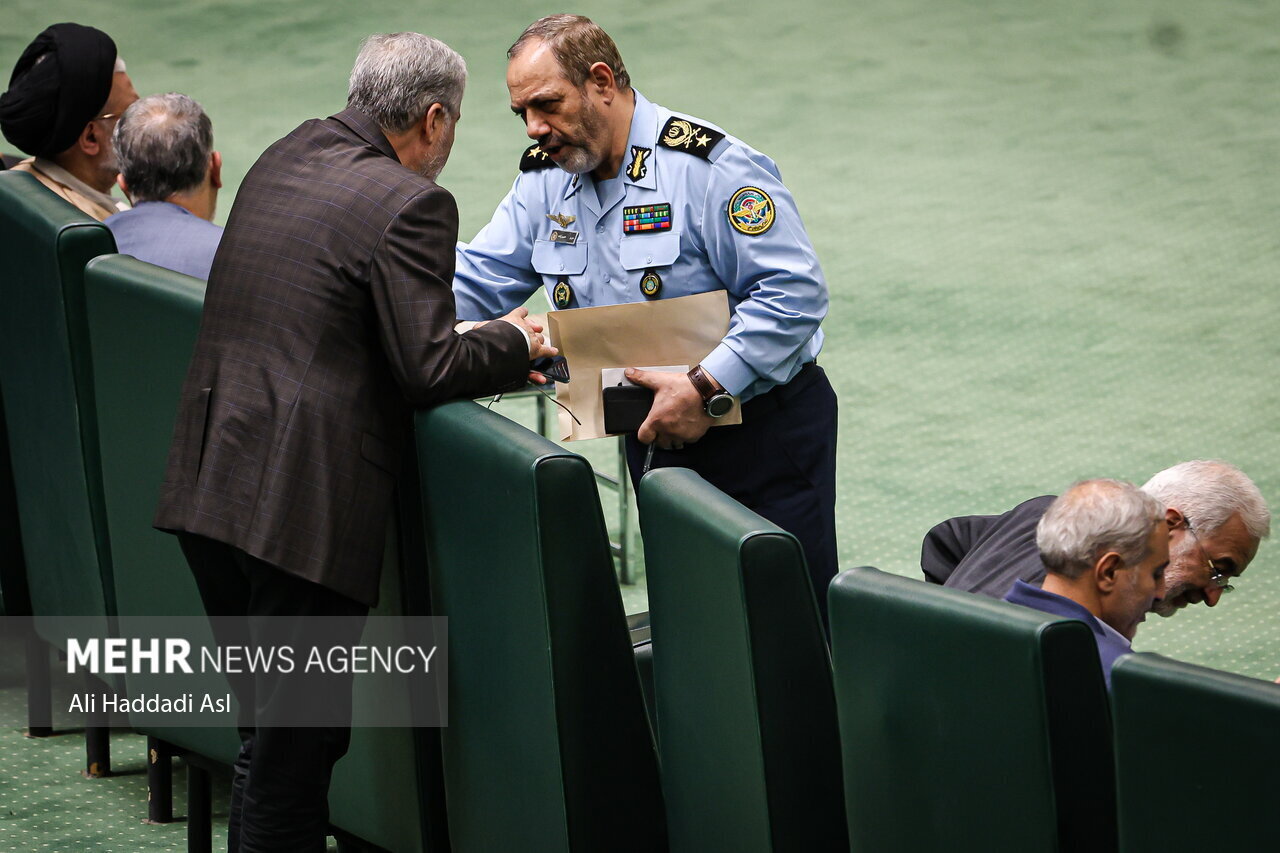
x: 432, y: 167
x: 579, y: 161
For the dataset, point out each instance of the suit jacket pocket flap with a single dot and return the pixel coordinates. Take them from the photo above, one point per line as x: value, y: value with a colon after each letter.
x: 378, y: 452
x: 200, y: 426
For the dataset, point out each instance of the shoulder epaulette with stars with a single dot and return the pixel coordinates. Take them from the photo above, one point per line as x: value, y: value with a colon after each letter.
x: 683, y: 135
x: 535, y: 158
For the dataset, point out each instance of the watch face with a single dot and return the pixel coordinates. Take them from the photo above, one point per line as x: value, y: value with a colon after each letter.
x: 719, y: 405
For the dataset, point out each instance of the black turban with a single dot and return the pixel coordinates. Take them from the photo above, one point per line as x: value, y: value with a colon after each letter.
x: 61, y: 81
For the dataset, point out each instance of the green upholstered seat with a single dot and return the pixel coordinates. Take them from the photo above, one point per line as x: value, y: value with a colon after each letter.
x: 548, y: 747
x: 144, y: 321
x: 15, y: 599
x: 1197, y: 757
x: 46, y: 379
x: 967, y: 724
x: 742, y: 677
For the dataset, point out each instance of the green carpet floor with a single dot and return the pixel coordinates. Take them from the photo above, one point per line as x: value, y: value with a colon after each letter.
x: 47, y: 805
x: 1050, y: 229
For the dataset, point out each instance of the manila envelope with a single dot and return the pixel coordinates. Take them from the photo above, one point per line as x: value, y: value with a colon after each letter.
x: 668, y: 331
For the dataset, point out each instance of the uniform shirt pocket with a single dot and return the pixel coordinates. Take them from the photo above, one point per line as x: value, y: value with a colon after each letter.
x: 642, y: 251
x: 559, y: 259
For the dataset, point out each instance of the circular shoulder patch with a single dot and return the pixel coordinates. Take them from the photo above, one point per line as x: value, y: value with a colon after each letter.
x: 750, y: 211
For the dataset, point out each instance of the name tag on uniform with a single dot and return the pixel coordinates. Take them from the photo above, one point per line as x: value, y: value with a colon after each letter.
x: 567, y: 237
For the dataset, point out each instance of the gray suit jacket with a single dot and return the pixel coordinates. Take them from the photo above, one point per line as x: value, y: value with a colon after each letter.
x: 986, y: 553
x: 328, y: 317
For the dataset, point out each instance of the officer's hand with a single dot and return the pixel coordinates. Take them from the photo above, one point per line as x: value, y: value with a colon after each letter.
x: 678, y: 416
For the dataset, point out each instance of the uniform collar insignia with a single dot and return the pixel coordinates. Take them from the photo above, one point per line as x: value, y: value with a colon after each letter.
x: 535, y: 158
x: 638, y: 169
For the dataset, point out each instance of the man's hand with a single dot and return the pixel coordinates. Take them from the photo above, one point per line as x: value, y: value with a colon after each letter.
x: 538, y: 346
x: 678, y: 416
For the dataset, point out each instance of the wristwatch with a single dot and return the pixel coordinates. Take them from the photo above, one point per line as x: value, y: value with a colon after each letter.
x: 716, y: 401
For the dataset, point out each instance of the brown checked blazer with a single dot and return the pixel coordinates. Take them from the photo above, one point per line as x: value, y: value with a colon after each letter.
x: 328, y: 318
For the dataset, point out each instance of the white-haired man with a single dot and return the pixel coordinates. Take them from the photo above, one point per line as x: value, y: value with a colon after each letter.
x: 328, y: 318
x: 1105, y: 548
x: 1214, y: 513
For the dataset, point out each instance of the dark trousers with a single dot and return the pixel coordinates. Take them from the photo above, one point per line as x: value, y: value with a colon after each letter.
x: 280, y: 783
x: 780, y: 462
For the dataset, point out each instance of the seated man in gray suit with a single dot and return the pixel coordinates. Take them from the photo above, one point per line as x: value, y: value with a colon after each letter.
x: 1105, y: 546
x: 1215, y: 515
x: 171, y: 173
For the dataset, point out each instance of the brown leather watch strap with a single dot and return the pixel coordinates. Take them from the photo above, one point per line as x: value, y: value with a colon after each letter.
x: 703, y: 383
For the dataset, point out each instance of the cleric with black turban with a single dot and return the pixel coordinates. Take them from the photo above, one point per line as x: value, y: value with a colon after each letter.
x: 60, y: 83
x: 66, y: 90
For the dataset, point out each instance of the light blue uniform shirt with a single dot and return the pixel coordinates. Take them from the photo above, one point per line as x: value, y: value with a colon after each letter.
x: 777, y: 294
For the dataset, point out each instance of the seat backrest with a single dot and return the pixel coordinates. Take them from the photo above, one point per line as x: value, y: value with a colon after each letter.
x: 144, y: 321
x: 967, y: 723
x: 46, y: 378
x: 742, y: 677
x: 1197, y: 757
x: 15, y: 599
x: 548, y: 747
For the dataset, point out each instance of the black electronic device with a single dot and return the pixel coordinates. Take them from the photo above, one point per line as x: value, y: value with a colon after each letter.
x: 553, y: 367
x: 626, y: 407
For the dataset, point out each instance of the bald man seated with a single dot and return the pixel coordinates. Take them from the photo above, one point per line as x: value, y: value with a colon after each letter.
x: 1105, y: 547
x: 67, y: 90
x: 171, y: 173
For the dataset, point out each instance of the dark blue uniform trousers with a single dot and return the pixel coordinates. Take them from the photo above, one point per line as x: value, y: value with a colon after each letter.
x: 779, y: 462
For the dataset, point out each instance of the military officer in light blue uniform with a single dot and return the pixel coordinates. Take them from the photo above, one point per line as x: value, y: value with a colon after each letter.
x: 621, y: 200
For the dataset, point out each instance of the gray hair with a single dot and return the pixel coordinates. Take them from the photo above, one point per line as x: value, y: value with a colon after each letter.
x: 398, y: 76
x: 1209, y: 493
x: 1094, y: 517
x: 577, y: 43
x: 163, y: 143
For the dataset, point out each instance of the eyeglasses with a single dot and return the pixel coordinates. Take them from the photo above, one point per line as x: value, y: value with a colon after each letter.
x: 1216, y: 577
x: 106, y: 116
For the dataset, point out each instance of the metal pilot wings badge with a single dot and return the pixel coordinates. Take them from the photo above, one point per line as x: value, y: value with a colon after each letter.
x: 684, y: 135
x: 558, y: 235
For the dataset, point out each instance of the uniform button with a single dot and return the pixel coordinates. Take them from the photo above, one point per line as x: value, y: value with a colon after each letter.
x: 649, y: 259
x: 607, y: 279
x: 599, y: 229
x: 562, y: 268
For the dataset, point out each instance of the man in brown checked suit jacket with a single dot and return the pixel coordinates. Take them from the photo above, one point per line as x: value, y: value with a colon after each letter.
x: 328, y: 317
